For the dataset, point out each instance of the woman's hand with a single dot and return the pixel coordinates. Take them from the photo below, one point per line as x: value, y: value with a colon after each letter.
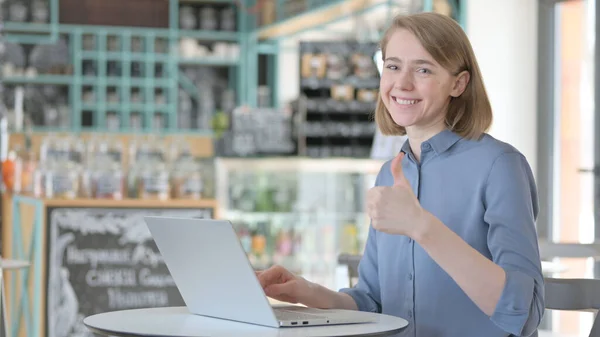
x: 280, y: 284
x: 395, y: 209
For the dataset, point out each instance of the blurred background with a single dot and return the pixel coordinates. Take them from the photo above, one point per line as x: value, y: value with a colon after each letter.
x: 259, y: 112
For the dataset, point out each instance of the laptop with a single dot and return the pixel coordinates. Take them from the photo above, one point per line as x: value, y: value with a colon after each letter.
x: 215, y: 277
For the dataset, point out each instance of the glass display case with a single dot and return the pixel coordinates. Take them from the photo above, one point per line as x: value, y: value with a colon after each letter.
x: 298, y: 212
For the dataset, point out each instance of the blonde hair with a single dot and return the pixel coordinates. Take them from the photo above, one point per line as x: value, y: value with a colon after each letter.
x: 470, y: 114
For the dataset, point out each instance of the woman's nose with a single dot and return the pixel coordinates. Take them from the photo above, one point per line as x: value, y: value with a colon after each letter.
x: 404, y: 81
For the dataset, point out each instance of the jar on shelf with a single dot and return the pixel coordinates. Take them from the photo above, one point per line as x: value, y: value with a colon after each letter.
x: 115, y: 151
x: 108, y: 149
x: 208, y: 18
x: 187, y: 180
x: 147, y: 148
x: 61, y: 181
x: 76, y: 150
x: 108, y: 181
x: 179, y: 150
x: 153, y: 182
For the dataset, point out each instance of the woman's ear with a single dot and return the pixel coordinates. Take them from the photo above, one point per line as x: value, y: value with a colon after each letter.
x: 460, y: 83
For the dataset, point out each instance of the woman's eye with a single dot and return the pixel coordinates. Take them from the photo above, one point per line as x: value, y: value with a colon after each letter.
x: 392, y: 67
x: 423, y: 71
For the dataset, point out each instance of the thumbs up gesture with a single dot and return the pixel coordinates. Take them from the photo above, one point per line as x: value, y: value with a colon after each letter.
x: 395, y: 209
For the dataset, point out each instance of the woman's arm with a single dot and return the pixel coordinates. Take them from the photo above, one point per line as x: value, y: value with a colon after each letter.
x: 509, y: 289
x: 481, y: 279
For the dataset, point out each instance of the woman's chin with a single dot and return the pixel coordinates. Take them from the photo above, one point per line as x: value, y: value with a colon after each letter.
x: 403, y: 122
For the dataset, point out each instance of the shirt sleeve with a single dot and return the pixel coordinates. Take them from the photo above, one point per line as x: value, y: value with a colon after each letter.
x: 366, y: 293
x: 511, y: 209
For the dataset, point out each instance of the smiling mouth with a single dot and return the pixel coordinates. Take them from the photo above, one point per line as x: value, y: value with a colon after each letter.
x: 405, y: 101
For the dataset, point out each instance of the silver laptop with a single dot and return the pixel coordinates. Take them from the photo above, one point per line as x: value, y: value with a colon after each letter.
x: 215, y: 278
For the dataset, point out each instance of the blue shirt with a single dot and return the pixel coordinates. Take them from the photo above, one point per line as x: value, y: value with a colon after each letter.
x: 484, y: 191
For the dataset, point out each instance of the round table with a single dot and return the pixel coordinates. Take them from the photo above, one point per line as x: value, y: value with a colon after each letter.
x: 178, y: 322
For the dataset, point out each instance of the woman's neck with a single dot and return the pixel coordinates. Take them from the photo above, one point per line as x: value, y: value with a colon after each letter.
x: 418, y: 135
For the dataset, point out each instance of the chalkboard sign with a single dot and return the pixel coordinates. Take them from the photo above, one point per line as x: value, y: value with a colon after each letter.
x: 103, y: 260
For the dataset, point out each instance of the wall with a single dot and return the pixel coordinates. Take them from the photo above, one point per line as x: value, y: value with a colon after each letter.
x: 136, y: 13
x: 504, y: 37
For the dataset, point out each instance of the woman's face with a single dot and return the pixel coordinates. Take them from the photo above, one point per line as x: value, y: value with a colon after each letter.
x: 414, y: 88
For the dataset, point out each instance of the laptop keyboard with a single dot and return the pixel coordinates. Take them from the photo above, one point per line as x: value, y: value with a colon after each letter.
x: 291, y: 315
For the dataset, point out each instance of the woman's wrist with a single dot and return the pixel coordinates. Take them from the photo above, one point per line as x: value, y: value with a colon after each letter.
x: 425, y: 227
x: 318, y: 296
x: 324, y: 298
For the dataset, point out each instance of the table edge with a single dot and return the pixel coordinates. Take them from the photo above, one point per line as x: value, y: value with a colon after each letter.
x: 110, y: 332
x: 121, y: 334
x: 113, y: 333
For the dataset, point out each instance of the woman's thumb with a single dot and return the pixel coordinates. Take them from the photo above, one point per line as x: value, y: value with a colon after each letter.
x: 396, y: 168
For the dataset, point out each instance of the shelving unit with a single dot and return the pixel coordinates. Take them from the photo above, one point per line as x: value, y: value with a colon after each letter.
x: 339, y: 83
x: 127, y: 78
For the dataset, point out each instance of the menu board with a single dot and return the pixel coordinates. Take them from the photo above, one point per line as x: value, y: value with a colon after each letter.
x: 102, y: 260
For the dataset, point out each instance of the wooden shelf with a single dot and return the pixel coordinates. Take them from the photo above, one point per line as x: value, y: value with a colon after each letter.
x: 123, y: 203
x: 130, y: 203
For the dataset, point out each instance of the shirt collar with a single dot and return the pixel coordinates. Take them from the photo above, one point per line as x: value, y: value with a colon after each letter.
x: 439, y: 143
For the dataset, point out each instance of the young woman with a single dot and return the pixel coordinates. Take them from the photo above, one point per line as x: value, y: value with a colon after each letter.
x: 452, y: 245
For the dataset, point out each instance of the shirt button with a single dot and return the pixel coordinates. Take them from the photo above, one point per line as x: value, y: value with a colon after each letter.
x: 426, y: 146
x: 410, y: 276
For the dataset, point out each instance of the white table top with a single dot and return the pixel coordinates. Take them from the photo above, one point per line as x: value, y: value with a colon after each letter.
x: 13, y: 264
x: 178, y: 322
